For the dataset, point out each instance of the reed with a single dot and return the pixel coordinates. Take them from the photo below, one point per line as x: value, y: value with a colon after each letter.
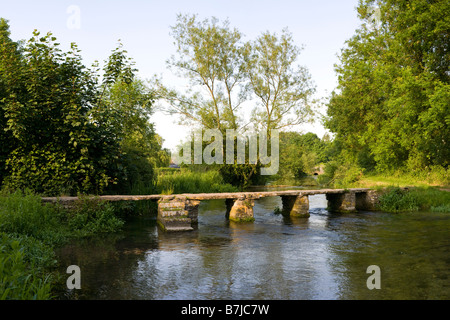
x: 185, y: 181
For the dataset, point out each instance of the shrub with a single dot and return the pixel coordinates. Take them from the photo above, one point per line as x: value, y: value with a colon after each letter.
x: 23, y: 213
x: 395, y: 199
x: 30, y: 230
x: 340, y: 174
x: 91, y: 216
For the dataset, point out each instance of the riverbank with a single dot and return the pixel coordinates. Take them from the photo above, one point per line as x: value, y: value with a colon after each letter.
x: 372, y: 181
x: 30, y: 231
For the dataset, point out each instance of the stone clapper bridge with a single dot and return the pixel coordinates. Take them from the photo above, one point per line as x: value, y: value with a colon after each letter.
x: 179, y: 212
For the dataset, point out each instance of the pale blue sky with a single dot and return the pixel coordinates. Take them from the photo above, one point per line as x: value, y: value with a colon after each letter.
x: 143, y: 26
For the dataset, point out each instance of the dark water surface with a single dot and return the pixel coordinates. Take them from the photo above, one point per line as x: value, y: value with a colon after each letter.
x: 323, y: 257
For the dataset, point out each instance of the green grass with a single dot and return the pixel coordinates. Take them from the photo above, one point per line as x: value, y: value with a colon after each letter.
x: 31, y: 230
x: 185, y: 181
x: 20, y: 278
x: 392, y: 180
x: 435, y: 176
x: 396, y: 199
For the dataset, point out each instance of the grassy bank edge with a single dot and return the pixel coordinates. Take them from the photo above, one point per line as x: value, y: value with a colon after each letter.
x: 30, y: 231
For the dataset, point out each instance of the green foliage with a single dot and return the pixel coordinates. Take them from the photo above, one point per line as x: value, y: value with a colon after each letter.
x: 441, y: 208
x: 210, y: 56
x: 186, y: 181
x: 216, y: 61
x: 340, y: 174
x: 242, y: 175
x: 63, y: 133
x: 19, y: 280
x: 390, y: 110
x: 283, y: 89
x: 46, y: 101
x: 29, y: 232
x: 93, y: 217
x: 395, y: 199
x: 432, y: 198
x: 24, y: 214
x: 301, y: 154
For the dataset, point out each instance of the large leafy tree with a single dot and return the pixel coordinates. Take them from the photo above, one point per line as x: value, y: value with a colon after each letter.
x: 46, y: 103
x: 64, y: 132
x: 282, y: 87
x: 390, y: 109
x: 226, y: 73
x: 126, y: 105
x: 10, y: 65
x: 210, y: 55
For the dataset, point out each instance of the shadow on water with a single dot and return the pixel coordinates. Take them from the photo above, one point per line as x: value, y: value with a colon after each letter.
x: 275, y: 257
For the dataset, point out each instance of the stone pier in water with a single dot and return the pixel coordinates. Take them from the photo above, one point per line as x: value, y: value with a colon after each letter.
x: 179, y: 212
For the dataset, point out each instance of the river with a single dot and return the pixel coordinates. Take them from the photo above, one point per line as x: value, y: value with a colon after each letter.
x: 323, y: 257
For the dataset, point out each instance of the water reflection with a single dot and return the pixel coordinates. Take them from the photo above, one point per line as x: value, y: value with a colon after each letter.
x: 275, y: 257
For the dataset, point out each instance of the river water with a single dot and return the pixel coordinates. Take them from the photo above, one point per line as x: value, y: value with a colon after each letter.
x: 323, y: 257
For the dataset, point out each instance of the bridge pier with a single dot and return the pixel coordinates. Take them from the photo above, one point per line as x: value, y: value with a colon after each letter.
x: 367, y: 200
x: 177, y: 214
x: 240, y: 210
x: 341, y: 202
x: 180, y: 213
x: 192, y: 208
x: 296, y: 206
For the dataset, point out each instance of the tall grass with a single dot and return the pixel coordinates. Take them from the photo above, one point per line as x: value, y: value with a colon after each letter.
x: 395, y: 199
x: 29, y: 232
x: 185, y: 181
x: 20, y: 278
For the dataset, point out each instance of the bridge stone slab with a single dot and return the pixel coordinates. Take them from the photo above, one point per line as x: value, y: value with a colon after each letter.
x: 180, y: 212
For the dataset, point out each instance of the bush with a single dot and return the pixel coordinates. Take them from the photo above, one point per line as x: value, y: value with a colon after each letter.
x: 92, y: 217
x: 429, y: 198
x: 397, y: 200
x: 441, y: 208
x: 340, y: 174
x: 23, y: 213
x: 29, y: 232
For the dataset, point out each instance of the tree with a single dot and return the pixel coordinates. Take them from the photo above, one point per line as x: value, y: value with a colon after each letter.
x: 10, y: 65
x: 301, y: 153
x: 210, y: 56
x: 283, y: 89
x: 390, y: 110
x: 215, y: 59
x: 47, y: 102
x: 64, y: 133
x: 125, y: 106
